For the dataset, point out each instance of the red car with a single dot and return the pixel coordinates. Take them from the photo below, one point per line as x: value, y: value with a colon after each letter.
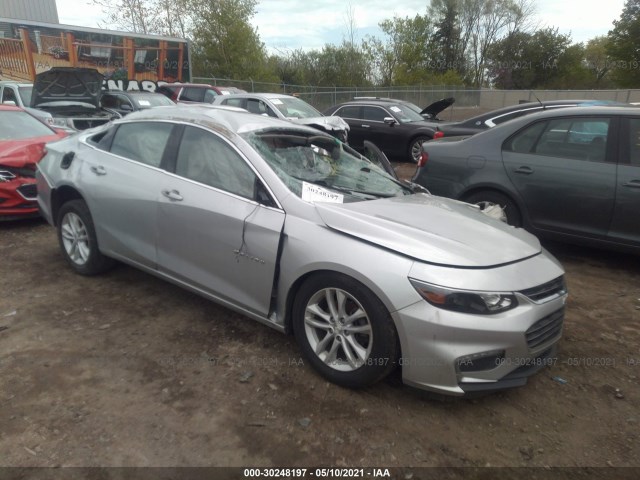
x: 22, y: 141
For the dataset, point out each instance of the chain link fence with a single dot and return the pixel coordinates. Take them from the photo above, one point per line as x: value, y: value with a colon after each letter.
x: 422, y: 95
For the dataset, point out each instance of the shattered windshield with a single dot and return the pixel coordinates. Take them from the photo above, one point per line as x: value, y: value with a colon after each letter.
x: 321, y: 168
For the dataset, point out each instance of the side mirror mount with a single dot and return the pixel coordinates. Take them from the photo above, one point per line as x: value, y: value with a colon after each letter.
x: 126, y: 107
x: 390, y: 121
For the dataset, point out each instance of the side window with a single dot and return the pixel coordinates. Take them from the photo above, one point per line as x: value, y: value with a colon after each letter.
x: 349, y: 111
x: 259, y: 107
x: 524, y: 140
x: 209, y: 96
x: 580, y: 139
x: 108, y: 101
x: 375, y: 114
x: 206, y: 158
x: 233, y: 102
x: 8, y: 95
x: 122, y: 100
x: 634, y: 141
x: 144, y: 142
x: 193, y: 94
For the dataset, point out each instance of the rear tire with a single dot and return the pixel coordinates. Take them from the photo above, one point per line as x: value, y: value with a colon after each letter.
x: 344, y: 330
x: 488, y: 198
x: 78, y: 241
x: 415, y: 148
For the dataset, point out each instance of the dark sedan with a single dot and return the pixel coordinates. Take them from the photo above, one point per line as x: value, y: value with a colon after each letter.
x: 127, y: 102
x: 393, y: 125
x: 571, y: 174
x: 484, y: 121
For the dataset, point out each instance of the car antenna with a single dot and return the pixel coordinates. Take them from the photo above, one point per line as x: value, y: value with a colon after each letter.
x: 536, y: 97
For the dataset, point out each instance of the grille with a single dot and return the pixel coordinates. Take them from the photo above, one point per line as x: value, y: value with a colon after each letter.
x: 553, y: 288
x: 29, y: 191
x: 9, y: 173
x: 545, y: 330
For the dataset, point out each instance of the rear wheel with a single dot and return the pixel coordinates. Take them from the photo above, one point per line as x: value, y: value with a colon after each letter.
x: 78, y: 242
x: 344, y: 330
x: 488, y: 199
x: 415, y: 148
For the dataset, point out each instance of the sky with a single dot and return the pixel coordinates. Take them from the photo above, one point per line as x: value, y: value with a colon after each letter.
x: 286, y: 25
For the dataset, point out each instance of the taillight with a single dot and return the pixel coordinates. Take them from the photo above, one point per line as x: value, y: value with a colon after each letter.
x: 438, y: 134
x: 424, y: 158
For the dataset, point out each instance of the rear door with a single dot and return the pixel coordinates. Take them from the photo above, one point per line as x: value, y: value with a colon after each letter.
x: 625, y: 226
x: 122, y: 180
x: 212, y: 233
x: 564, y: 171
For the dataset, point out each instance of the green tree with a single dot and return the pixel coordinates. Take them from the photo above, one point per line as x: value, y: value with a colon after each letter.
x: 402, y: 58
x: 598, y: 61
x: 624, y: 46
x: 530, y: 60
x: 224, y: 44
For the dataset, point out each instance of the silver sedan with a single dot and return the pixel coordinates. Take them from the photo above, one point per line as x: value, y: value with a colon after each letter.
x: 294, y: 229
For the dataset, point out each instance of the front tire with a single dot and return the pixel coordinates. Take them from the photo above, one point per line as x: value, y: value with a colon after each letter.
x: 344, y: 330
x: 488, y: 198
x: 78, y: 241
x: 415, y: 148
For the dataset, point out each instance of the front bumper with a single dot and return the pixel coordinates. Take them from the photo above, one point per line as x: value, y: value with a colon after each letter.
x: 18, y: 198
x: 457, y: 353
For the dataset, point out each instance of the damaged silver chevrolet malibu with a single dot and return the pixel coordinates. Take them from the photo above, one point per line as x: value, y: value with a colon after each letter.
x: 292, y: 228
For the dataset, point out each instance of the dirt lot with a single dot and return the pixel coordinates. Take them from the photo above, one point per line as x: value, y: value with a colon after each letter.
x: 127, y: 370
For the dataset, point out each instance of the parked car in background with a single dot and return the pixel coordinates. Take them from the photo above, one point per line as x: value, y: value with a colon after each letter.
x: 194, y: 92
x: 133, y: 101
x: 365, y: 272
x: 287, y: 107
x: 19, y: 94
x: 571, y: 174
x: 395, y: 126
x: 482, y: 122
x: 72, y: 96
x: 22, y: 141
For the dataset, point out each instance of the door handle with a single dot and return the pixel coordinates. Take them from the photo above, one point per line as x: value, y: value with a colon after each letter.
x: 632, y: 184
x: 99, y: 170
x: 172, y: 195
x: 365, y: 126
x: 524, y: 170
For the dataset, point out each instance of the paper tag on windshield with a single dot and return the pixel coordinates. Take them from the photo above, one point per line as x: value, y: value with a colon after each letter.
x: 395, y: 109
x: 314, y: 193
x: 276, y: 101
x: 144, y: 103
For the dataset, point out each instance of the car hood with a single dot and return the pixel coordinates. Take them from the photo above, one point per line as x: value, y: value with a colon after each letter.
x: 436, y: 107
x: 432, y: 229
x: 331, y: 123
x: 20, y: 153
x: 62, y: 84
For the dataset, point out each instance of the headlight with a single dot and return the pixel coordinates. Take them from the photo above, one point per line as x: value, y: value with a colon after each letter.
x: 60, y: 122
x: 465, y: 301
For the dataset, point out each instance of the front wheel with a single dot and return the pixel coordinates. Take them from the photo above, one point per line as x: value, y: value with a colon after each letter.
x: 488, y: 200
x: 78, y: 241
x: 415, y: 148
x: 344, y: 330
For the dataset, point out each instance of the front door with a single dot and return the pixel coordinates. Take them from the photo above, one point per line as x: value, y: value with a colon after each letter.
x: 212, y: 233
